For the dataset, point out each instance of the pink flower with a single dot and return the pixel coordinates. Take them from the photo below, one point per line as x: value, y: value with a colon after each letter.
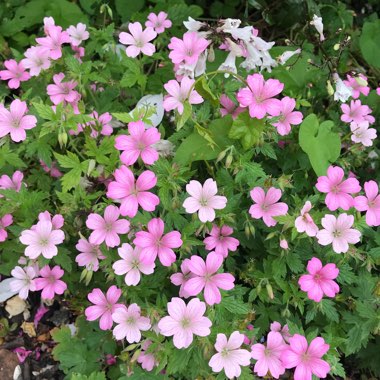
x: 357, y: 86
x: 104, y: 306
x: 130, y: 323
x: 133, y: 193
x: 57, y: 221
x: 361, y: 133
x: 62, y: 92
x: 22, y: 353
x: 206, y: 278
x: 79, y: 52
x: 370, y: 203
x: 146, y: 359
x: 49, y: 282
x: 184, y: 321
x: 158, y: 22
x: 138, y: 143
x: 48, y: 22
x: 181, y: 278
x: 5, y: 221
x: 107, y: 229
x: 15, y: 122
x: 78, y: 34
x: 41, y: 311
x: 14, y: 183
x: 42, y: 239
x: 138, y: 40
x: 203, y: 199
x: 267, y: 205
x: 306, y: 359
x: 338, y: 232
x: 220, y: 241
x: 284, y: 331
x: 187, y: 50
x: 89, y: 256
x: 269, y: 357
x: 15, y: 73
x: 319, y: 281
x: 259, y: 96
x: 338, y: 190
x: 284, y: 244
x: 53, y: 170
x: 288, y: 117
x: 179, y: 93
x: 154, y: 243
x: 37, y: 59
x: 230, y: 356
x: 54, y: 40
x: 356, y: 112
x: 230, y: 107
x: 102, y: 123
x: 305, y: 222
x: 23, y: 281
x: 132, y: 264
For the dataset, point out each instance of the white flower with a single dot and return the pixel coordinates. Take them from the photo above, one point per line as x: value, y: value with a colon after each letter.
x: 164, y: 148
x: 193, y: 25
x: 286, y: 55
x: 318, y: 24
x: 342, y: 92
x: 361, y: 133
x: 228, y: 24
x: 23, y: 281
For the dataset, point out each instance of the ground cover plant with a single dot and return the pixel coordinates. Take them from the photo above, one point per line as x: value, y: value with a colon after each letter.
x: 189, y: 193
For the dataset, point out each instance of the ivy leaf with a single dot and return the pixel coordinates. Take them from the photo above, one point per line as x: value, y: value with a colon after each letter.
x: 320, y: 144
x: 368, y: 44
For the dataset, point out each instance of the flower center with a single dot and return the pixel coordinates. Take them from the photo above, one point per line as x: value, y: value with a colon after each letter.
x: 131, y: 320
x: 15, y: 123
x: 203, y: 202
x: 185, y: 323
x: 335, y: 189
x: 225, y: 352
x: 44, y: 242
x: 51, y: 279
x: 108, y: 227
x: 139, y: 43
x: 337, y: 233
x: 305, y: 357
x: 135, y: 264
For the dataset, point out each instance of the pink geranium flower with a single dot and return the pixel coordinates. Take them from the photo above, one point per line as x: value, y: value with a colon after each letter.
x: 89, y: 256
x: 158, y: 22
x: 220, y: 241
x: 305, y: 222
x: 181, y: 278
x: 23, y: 281
x: 179, y: 93
x: 205, y: 277
x: 361, y: 133
x: 42, y: 239
x: 319, y: 281
x: 269, y: 357
x: 61, y: 92
x: 15, y: 122
x: 188, y: 49
x: 184, y: 321
x: 138, y: 143
x: 57, y: 221
x: 370, y: 203
x: 133, y: 193
x: 15, y: 73
x: 138, y: 40
x: 100, y: 123
x: 14, y: 183
x: 338, y: 190
x: 53, y: 170
x: 154, y: 243
x: 130, y: 323
x: 288, y: 116
x: 203, y: 200
x: 356, y: 112
x: 78, y: 34
x: 54, y: 40
x: 49, y: 282
x: 104, y: 306
x: 37, y: 58
x: 131, y: 264
x: 5, y: 221
x: 146, y: 359
x: 267, y: 205
x: 230, y: 108
x: 357, y: 86
x: 259, y: 96
x: 306, y: 359
x: 338, y: 232
x: 230, y: 356
x: 107, y: 229
x: 284, y: 331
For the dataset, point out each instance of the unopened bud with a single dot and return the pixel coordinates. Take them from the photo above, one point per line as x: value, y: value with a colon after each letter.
x: 336, y: 47
x: 361, y: 81
x: 269, y: 290
x: 211, y: 54
x: 135, y: 356
x: 91, y: 166
x: 247, y: 231
x: 330, y: 88
x: 62, y: 139
x: 221, y: 155
x: 229, y: 161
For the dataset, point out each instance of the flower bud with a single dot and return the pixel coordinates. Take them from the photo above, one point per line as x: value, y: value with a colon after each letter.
x: 229, y: 160
x: 330, y: 89
x: 336, y: 47
x: 62, y: 139
x: 269, y: 290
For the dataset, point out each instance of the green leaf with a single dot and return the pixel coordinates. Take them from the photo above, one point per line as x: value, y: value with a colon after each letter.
x: 328, y: 309
x: 204, y: 90
x: 128, y: 79
x: 69, y: 161
x: 320, y: 144
x: 235, y: 306
x: 93, y: 376
x: 123, y: 116
x: 368, y: 42
x: 185, y: 116
x: 44, y: 111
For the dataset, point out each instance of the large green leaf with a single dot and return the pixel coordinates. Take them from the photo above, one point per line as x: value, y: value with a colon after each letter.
x: 319, y: 143
x: 369, y: 42
x: 197, y: 148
